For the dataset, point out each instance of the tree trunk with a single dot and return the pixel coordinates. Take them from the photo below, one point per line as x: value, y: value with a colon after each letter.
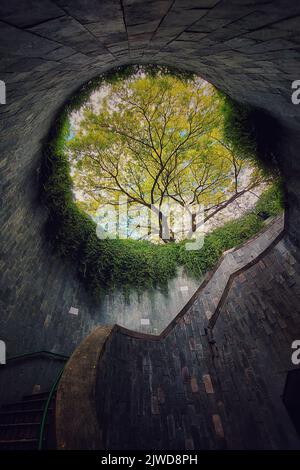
x: 166, y: 234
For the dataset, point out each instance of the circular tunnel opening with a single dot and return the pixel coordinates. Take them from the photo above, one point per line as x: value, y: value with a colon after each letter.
x: 248, y: 49
x: 141, y: 152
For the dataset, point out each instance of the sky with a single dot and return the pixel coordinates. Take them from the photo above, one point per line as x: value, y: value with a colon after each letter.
x: 233, y: 211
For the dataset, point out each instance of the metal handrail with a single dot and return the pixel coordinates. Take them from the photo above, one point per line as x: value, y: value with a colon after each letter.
x: 54, y: 355
x: 46, y: 409
x: 38, y: 353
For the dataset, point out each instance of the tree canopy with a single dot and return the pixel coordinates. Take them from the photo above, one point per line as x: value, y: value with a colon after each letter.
x: 158, y: 138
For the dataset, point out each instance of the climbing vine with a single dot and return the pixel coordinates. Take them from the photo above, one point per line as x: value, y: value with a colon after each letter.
x: 106, y: 264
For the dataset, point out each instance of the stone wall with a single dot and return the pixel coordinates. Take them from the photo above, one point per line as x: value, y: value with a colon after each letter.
x: 56, y: 329
x: 157, y: 306
x: 50, y: 48
x: 222, y: 390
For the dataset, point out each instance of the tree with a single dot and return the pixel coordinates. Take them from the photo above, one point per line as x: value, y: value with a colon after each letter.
x: 157, y: 138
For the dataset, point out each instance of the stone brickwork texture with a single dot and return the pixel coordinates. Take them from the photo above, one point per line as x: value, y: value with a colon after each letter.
x: 191, y: 390
x: 49, y: 48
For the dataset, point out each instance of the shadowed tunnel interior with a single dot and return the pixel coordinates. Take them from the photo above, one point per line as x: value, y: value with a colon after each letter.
x: 250, y: 49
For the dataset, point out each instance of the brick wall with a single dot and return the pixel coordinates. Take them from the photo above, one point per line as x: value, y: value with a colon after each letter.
x: 48, y: 49
x: 222, y: 391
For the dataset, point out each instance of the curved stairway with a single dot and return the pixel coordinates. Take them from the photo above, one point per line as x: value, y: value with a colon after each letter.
x: 20, y: 423
x: 212, y: 380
